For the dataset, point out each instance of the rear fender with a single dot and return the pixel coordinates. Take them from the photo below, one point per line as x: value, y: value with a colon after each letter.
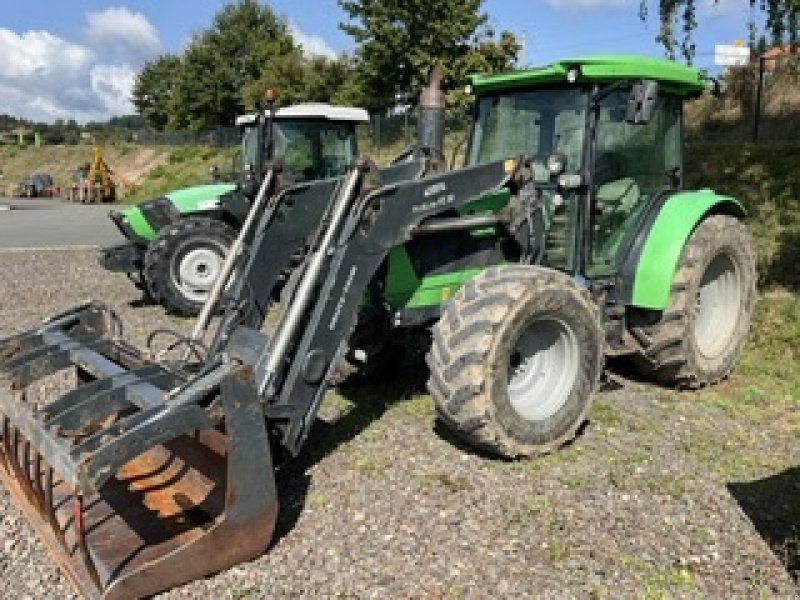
x: 663, y: 238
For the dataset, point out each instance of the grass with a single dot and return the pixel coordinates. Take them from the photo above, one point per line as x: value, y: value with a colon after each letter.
x: 184, y: 167
x: 658, y: 581
x: 765, y: 386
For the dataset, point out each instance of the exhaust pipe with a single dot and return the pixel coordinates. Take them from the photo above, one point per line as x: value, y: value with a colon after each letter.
x: 430, y: 133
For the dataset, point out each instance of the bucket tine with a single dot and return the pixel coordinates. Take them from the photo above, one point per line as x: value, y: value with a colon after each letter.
x: 50, y: 508
x: 6, y: 442
x: 79, y: 527
x: 36, y: 477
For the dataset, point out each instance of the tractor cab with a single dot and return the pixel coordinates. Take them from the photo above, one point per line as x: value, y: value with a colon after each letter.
x: 605, y: 138
x: 315, y: 141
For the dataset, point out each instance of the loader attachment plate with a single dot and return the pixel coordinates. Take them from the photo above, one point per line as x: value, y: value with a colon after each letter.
x: 131, y: 491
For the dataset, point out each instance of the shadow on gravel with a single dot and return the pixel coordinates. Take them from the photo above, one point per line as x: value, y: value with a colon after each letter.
x: 773, y: 505
x: 145, y: 300
x: 372, y: 395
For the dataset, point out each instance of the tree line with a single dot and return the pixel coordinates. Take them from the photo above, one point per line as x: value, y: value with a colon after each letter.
x: 247, y: 48
x: 226, y: 68
x: 69, y: 131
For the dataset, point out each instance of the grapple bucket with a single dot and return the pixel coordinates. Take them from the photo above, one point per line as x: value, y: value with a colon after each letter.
x: 137, y: 478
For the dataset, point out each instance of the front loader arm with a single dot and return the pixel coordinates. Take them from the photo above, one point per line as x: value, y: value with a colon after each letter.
x: 281, y: 236
x: 376, y: 223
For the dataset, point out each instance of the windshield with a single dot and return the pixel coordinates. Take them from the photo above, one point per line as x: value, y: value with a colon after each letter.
x: 311, y: 149
x: 535, y: 123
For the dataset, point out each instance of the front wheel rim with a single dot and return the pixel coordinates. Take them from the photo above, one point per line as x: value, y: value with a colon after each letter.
x: 196, y: 269
x: 719, y: 299
x: 543, y: 367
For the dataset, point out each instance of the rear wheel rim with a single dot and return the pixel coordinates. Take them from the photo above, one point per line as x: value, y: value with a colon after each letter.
x: 196, y: 268
x: 543, y: 368
x: 719, y: 300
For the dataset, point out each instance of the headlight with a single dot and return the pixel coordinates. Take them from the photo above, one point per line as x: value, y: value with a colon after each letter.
x: 557, y: 163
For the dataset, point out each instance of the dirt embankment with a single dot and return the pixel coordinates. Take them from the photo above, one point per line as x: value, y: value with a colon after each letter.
x: 131, y: 161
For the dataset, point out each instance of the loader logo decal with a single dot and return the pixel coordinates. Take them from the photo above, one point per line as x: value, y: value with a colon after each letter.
x: 439, y: 202
x: 342, y: 299
x: 436, y: 188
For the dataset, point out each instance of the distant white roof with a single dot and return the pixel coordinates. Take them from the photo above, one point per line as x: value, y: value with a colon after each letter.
x: 313, y: 110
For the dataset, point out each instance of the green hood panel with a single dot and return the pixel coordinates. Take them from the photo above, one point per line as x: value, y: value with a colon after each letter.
x: 662, y: 250
x: 186, y: 201
x: 199, y: 197
x: 135, y: 219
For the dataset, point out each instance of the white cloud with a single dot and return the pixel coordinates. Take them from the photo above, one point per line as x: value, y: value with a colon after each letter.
x: 45, y: 77
x: 37, y: 54
x: 313, y: 45
x: 590, y: 4
x: 123, y: 31
x: 113, y: 85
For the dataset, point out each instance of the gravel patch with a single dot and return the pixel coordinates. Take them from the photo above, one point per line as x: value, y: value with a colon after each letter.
x: 658, y: 496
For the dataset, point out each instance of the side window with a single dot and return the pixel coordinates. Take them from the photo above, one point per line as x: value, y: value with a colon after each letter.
x: 337, y: 150
x: 632, y: 164
x: 295, y: 144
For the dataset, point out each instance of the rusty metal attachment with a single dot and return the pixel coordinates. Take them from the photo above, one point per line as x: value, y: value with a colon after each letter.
x: 132, y: 489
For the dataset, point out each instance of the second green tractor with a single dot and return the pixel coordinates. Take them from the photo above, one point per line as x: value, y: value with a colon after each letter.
x: 176, y: 244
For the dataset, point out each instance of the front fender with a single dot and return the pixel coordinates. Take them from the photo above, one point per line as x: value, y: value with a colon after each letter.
x: 676, y: 220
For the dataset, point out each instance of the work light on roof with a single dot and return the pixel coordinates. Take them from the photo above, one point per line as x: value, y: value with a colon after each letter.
x: 572, y: 74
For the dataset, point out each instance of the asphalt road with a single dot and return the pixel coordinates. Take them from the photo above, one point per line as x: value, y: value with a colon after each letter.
x: 48, y: 223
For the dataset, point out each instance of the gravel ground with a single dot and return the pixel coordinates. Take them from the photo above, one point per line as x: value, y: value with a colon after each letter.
x: 662, y: 495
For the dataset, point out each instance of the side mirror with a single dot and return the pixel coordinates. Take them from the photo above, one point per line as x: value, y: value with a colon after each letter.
x: 642, y: 102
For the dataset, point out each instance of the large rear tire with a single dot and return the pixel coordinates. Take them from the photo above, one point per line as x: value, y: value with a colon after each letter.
x: 514, y: 360
x: 181, y: 264
x: 698, y: 338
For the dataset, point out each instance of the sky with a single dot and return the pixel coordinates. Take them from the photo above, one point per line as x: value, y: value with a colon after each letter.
x: 77, y: 59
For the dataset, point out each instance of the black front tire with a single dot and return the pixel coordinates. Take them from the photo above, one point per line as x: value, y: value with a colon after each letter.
x: 163, y: 258
x: 475, y: 361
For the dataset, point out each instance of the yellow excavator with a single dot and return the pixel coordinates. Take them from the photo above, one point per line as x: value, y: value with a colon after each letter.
x: 95, y: 181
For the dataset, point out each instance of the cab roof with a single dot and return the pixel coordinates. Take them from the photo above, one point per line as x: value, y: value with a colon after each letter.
x: 313, y: 110
x: 676, y: 78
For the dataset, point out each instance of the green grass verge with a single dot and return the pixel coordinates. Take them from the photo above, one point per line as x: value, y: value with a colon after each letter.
x: 186, y: 166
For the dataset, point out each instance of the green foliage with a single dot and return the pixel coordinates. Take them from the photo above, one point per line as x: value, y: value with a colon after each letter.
x: 226, y: 69
x: 154, y: 88
x: 398, y: 41
x: 765, y: 178
x: 781, y: 22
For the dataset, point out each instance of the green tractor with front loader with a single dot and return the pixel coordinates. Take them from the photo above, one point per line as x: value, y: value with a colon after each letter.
x: 176, y: 244
x: 566, y: 238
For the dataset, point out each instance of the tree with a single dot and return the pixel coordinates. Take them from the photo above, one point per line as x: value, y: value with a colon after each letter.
x: 215, y: 77
x: 398, y: 41
x: 154, y: 88
x: 220, y: 63
x: 781, y: 23
x: 225, y: 69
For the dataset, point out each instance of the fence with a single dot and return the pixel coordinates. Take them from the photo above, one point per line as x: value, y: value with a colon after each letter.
x: 221, y: 137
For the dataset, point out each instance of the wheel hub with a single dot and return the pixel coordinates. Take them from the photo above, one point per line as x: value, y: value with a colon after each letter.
x: 719, y: 301
x: 543, y: 368
x: 196, y: 271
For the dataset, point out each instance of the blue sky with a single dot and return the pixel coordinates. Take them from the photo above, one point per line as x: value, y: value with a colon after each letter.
x: 78, y: 58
